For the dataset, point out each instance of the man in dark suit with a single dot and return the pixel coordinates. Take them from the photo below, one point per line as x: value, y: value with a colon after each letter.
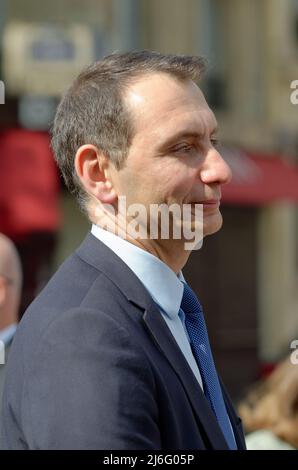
x: 114, y: 353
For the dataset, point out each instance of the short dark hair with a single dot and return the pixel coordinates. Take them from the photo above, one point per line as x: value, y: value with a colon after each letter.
x: 92, y: 111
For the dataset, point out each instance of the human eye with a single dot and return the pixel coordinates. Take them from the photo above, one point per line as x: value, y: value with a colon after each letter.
x: 183, y: 148
x: 215, y: 141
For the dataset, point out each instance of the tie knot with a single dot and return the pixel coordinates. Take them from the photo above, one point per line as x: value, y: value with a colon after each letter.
x: 190, y: 303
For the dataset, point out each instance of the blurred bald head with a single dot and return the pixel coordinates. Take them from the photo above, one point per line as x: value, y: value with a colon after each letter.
x: 10, y: 282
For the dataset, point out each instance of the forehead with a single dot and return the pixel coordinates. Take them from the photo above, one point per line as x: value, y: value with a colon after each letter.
x: 161, y: 105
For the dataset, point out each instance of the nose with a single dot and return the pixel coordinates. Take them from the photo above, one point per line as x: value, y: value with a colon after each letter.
x: 215, y: 169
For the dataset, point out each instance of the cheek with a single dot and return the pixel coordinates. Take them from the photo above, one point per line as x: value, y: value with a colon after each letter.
x: 164, y: 180
x: 141, y: 186
x: 178, y: 182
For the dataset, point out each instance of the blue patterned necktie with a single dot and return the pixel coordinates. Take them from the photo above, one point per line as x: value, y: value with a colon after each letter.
x: 197, y: 331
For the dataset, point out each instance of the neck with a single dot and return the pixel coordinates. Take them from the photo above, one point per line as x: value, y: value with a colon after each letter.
x: 171, y: 252
x: 7, y: 318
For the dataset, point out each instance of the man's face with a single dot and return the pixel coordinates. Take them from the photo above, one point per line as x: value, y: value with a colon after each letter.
x: 172, y: 158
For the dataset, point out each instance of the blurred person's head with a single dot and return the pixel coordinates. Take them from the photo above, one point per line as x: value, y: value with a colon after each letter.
x: 137, y: 125
x: 10, y: 282
x: 273, y: 404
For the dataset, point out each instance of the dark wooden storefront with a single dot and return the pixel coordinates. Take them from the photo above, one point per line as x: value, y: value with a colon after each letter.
x: 224, y: 275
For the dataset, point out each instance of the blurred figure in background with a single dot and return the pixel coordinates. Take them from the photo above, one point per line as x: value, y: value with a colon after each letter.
x: 10, y: 295
x: 29, y: 204
x: 270, y: 410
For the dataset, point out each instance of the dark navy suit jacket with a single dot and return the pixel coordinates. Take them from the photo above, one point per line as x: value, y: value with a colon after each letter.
x: 94, y: 366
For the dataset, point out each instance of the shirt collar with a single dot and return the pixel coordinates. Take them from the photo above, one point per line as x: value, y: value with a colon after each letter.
x: 7, y: 334
x: 164, y: 286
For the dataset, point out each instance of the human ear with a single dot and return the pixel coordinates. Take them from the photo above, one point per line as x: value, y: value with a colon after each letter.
x: 92, y: 166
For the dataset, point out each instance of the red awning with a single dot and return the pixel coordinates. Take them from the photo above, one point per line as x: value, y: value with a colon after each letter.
x: 29, y: 183
x: 259, y: 179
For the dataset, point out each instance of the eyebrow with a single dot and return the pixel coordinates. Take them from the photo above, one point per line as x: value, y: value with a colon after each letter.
x: 186, y: 135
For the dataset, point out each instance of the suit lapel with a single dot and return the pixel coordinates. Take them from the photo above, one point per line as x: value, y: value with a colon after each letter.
x: 235, y: 420
x: 167, y: 344
x: 106, y: 261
